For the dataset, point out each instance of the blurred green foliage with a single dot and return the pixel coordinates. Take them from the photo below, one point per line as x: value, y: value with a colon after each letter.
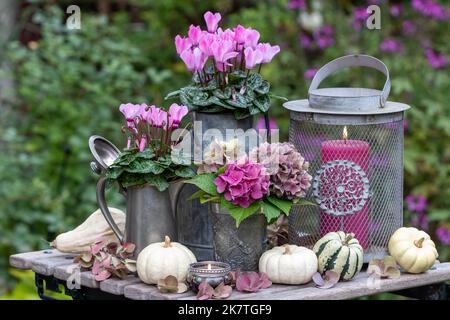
x: 69, y: 84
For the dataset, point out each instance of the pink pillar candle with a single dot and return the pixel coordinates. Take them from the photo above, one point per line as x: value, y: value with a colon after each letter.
x: 357, y: 152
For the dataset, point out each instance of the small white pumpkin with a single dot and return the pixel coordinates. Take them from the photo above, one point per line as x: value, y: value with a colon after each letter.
x: 289, y: 264
x: 413, y: 250
x: 161, y: 259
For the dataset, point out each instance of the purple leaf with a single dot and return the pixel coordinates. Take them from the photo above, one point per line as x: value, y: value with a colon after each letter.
x: 103, y: 275
x: 96, y: 267
x: 327, y: 281
x: 205, y: 291
x: 222, y: 291
x: 251, y: 281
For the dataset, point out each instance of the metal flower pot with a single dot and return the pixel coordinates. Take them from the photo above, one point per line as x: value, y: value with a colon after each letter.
x: 194, y: 226
x: 240, y: 247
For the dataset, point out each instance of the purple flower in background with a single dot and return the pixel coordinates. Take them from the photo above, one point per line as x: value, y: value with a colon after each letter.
x: 305, y: 41
x: 420, y: 221
x: 408, y: 27
x: 261, y: 124
x: 436, y: 60
x: 396, y: 9
x: 390, y: 45
x: 296, y: 4
x: 359, y: 16
x: 416, y: 204
x: 429, y: 8
x: 443, y: 235
x: 324, y: 37
x: 310, y: 73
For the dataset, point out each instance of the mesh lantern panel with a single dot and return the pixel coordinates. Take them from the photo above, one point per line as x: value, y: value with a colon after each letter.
x: 357, y: 183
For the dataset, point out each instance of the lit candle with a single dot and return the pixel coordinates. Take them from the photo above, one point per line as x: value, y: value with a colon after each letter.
x: 212, y: 272
x: 344, y: 186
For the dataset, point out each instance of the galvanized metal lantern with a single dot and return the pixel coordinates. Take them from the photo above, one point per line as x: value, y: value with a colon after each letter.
x: 353, y: 140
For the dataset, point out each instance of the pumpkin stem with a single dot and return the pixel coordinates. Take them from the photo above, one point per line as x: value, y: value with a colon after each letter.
x: 286, y: 249
x: 167, y: 243
x: 419, y: 243
x: 348, y: 237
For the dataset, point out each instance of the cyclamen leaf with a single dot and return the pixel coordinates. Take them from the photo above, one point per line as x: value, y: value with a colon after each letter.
x: 159, y: 182
x: 204, y: 182
x: 144, y: 166
x: 185, y: 172
x: 264, y: 88
x: 172, y: 94
x: 238, y: 102
x: 262, y: 102
x: 254, y: 80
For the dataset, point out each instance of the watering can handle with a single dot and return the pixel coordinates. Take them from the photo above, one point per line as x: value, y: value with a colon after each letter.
x: 355, y: 60
x: 101, y: 200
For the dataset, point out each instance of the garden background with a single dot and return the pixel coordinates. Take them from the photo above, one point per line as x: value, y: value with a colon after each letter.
x: 59, y: 86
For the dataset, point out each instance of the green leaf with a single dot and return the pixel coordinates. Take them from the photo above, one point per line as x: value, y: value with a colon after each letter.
x: 270, y: 211
x: 196, y: 195
x: 238, y: 102
x: 225, y: 94
x: 240, y: 214
x: 274, y: 96
x: 262, y: 102
x: 144, y: 166
x: 264, y: 88
x: 254, y: 80
x: 158, y: 181
x: 146, y: 154
x: 304, y: 202
x: 283, y: 205
x: 185, y: 172
x: 114, y: 172
x: 241, y: 114
x: 439, y: 215
x: 204, y: 182
x: 216, y: 101
x: 172, y: 94
x: 129, y: 180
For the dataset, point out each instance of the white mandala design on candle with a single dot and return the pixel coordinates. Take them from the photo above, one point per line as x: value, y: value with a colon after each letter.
x: 340, y: 187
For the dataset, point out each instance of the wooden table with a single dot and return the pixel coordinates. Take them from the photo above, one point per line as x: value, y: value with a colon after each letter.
x: 55, y: 268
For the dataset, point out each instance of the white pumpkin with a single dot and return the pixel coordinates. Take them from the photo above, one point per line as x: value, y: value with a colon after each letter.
x: 161, y: 259
x: 289, y: 264
x: 413, y: 249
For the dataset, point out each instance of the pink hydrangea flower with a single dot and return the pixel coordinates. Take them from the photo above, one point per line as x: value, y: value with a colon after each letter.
x: 243, y: 183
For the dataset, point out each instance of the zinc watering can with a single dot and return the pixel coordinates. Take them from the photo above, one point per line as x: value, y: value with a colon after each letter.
x: 150, y: 214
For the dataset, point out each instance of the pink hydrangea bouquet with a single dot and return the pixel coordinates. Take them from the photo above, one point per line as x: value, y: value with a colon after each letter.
x: 226, y: 67
x: 147, y: 159
x: 269, y: 180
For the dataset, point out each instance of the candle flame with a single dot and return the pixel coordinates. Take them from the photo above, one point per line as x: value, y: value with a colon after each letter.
x: 344, y: 133
x: 209, y: 266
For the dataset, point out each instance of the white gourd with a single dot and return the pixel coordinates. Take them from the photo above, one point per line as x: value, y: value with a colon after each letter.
x: 81, y: 238
x: 413, y: 250
x: 289, y: 264
x: 161, y: 259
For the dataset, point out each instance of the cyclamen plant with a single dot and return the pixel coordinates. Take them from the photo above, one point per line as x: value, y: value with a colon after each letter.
x: 270, y: 180
x: 221, y: 62
x: 147, y: 158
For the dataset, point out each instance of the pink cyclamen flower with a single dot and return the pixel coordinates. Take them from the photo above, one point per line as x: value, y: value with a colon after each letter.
x: 212, y: 20
x: 222, y: 52
x: 206, y: 42
x: 194, y: 59
x: 391, y: 45
x: 252, y: 57
x: 310, y: 73
x: 239, y: 34
x: 156, y: 117
x: 251, y: 38
x: 267, y: 51
x: 243, y: 183
x: 130, y: 111
x: 194, y: 33
x: 176, y: 113
x: 182, y: 44
x: 142, y: 144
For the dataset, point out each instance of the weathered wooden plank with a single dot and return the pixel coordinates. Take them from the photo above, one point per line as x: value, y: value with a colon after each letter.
x: 72, y: 271
x: 142, y: 291
x: 47, y: 266
x: 25, y: 260
x: 363, y: 286
x: 117, y: 286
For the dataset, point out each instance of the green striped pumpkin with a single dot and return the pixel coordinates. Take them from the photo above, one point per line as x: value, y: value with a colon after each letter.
x: 339, y: 252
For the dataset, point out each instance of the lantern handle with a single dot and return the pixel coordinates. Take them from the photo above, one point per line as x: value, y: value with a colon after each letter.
x: 354, y: 60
